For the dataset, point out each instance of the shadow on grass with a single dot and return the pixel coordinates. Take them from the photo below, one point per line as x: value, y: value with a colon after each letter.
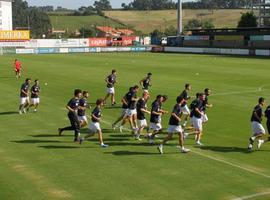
x: 112, y: 107
x: 9, y: 113
x: 35, y: 141
x: 58, y: 147
x: 48, y: 136
x: 225, y: 149
x: 130, y: 153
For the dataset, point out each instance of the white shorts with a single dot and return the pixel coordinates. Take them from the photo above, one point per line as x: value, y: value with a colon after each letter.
x: 110, y: 90
x: 196, y: 123
x: 24, y: 100
x: 204, y: 118
x: 35, y: 101
x: 185, y: 110
x: 131, y: 112
x: 94, y: 127
x: 174, y: 129
x: 82, y: 118
x: 257, y: 128
x: 143, y: 123
x: 124, y: 112
x: 155, y: 127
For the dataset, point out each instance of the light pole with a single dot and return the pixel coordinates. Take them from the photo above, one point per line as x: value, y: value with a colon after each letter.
x: 179, y: 18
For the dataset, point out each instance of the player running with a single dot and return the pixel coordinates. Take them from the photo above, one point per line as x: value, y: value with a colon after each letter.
x: 175, y: 127
x: 185, y: 109
x: 83, y: 106
x: 111, y: 80
x: 95, y: 125
x: 72, y: 108
x: 131, y: 115
x: 141, y: 110
x: 35, y: 98
x: 196, y: 115
x: 24, y: 95
x: 146, y: 82
x: 155, y: 118
x: 17, y: 68
x: 207, y: 93
x: 267, y: 115
x: 124, y: 108
x: 256, y: 122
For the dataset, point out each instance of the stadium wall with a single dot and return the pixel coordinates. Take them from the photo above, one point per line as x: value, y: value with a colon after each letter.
x: 221, y: 51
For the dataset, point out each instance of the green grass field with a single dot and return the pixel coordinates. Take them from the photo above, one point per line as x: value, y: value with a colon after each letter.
x: 38, y: 164
x: 147, y: 21
x: 73, y: 23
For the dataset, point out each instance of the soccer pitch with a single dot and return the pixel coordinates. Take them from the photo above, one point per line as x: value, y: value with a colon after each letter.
x: 38, y: 164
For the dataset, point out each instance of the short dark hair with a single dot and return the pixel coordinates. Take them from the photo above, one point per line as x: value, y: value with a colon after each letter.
x: 197, y: 95
x: 206, y: 90
x: 179, y: 99
x: 113, y: 71
x: 77, y: 91
x: 159, y: 96
x: 165, y: 97
x: 85, y: 92
x: 99, y: 101
x: 200, y: 94
x: 187, y: 85
x: 136, y: 87
x: 261, y: 99
x: 149, y: 74
x: 28, y: 79
x: 36, y: 80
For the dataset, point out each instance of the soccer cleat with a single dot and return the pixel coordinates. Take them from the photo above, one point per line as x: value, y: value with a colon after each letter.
x: 184, y: 150
x: 160, y: 149
x: 199, y: 143
x: 35, y: 110
x: 104, y: 145
x: 113, y: 126
x: 60, y: 131
x: 20, y: 112
x: 185, y: 124
x: 260, y: 142
x: 24, y: 111
x: 137, y: 137
x: 250, y: 146
x: 121, y: 129
x: 81, y: 140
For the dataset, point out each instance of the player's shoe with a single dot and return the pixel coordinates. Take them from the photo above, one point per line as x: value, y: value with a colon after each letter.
x: 35, y: 110
x: 76, y: 140
x: 81, y: 141
x: 185, y: 124
x: 160, y: 149
x: 24, y: 111
x: 199, y: 143
x: 104, y: 145
x: 20, y: 112
x: 184, y: 150
x: 137, y: 137
x: 113, y: 126
x: 260, y: 142
x: 60, y: 131
x: 121, y: 129
x: 250, y: 146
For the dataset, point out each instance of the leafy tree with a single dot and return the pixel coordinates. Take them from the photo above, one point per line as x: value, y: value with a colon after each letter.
x: 30, y: 17
x: 248, y: 20
x: 102, y: 5
x: 194, y: 23
x: 88, y: 32
x: 170, y: 31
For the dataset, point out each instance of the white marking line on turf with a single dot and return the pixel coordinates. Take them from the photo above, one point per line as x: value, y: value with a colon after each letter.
x: 252, y: 196
x: 231, y: 164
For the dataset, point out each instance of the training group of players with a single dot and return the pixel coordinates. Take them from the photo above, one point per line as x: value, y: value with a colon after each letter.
x: 134, y: 110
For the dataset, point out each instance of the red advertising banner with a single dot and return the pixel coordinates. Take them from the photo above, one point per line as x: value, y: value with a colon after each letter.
x: 98, y: 42
x: 128, y: 41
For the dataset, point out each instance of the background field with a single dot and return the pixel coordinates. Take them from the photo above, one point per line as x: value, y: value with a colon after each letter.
x: 147, y: 21
x: 37, y: 164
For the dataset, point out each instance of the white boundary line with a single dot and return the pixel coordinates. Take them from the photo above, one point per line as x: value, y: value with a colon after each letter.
x: 252, y: 196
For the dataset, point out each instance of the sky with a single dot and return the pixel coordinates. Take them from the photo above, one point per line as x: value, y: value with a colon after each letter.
x: 74, y: 3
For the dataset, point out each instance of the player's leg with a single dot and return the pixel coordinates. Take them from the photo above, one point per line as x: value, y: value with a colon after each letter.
x: 258, y: 133
x: 165, y: 140
x: 67, y: 128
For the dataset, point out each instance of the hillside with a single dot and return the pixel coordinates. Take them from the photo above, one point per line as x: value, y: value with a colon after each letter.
x: 147, y: 21
x: 73, y: 23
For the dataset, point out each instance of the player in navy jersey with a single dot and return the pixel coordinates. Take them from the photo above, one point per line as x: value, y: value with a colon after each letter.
x: 196, y: 116
x: 206, y: 105
x: 124, y: 108
x: 146, y: 82
x: 256, y: 122
x: 95, y: 125
x: 141, y: 110
x: 83, y: 106
x: 186, y: 111
x: 111, y: 80
x: 175, y: 127
x: 24, y: 96
x: 155, y: 118
x: 131, y: 115
x: 267, y: 115
x: 35, y: 98
x: 72, y: 108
